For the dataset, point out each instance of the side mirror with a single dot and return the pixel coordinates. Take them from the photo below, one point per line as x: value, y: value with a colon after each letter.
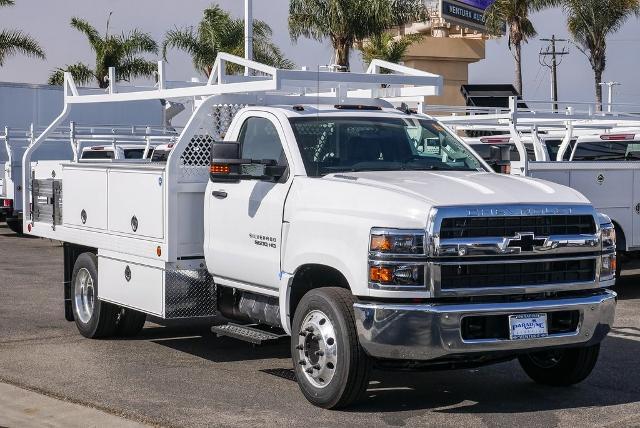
x: 225, y: 162
x: 227, y: 166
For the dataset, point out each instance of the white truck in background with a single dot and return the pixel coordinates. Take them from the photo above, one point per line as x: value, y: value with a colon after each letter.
x: 371, y: 236
x: 25, y: 109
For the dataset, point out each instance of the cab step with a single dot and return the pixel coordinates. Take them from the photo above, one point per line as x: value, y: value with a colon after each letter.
x: 251, y: 333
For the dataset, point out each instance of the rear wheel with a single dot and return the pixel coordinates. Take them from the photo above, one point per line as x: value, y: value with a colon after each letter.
x: 15, y: 224
x: 331, y: 367
x: 561, y: 367
x: 94, y: 318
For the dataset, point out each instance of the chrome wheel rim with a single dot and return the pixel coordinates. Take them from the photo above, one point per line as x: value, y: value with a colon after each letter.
x: 84, y: 295
x: 317, y: 349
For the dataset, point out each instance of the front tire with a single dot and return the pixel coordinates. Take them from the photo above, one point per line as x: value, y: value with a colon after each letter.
x: 562, y: 367
x: 94, y: 318
x: 331, y: 367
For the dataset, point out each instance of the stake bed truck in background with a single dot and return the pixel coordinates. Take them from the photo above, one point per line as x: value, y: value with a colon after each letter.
x: 371, y: 236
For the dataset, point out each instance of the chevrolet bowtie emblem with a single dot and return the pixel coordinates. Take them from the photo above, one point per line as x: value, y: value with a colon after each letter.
x: 525, y: 242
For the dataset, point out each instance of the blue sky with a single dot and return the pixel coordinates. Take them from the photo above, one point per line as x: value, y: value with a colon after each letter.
x: 48, y: 21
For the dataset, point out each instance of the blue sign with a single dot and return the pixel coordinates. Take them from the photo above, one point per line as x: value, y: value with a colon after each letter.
x: 471, y: 16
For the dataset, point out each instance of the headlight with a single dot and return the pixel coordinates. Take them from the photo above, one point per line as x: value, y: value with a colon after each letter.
x: 394, y: 261
x: 396, y: 241
x: 609, y: 260
x: 608, y: 233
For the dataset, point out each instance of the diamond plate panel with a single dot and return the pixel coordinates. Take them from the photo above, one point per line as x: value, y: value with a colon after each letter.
x: 189, y: 294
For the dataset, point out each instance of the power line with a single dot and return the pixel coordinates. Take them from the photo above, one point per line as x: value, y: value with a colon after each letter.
x: 549, y: 58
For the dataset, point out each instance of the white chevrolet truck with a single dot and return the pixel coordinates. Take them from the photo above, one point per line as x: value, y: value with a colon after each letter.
x: 371, y: 236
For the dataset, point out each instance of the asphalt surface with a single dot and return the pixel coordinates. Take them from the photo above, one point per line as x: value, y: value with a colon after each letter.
x: 185, y: 376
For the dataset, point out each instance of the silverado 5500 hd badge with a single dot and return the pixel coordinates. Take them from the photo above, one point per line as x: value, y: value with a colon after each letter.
x: 263, y: 241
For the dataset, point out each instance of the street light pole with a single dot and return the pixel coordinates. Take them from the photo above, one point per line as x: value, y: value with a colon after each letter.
x: 248, y: 33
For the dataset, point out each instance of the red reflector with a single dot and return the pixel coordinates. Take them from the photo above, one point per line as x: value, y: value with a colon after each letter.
x: 29, y: 227
x: 617, y: 137
x: 170, y: 146
x: 8, y: 203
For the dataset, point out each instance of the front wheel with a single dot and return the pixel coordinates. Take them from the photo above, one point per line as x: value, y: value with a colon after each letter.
x: 561, y: 367
x: 331, y: 367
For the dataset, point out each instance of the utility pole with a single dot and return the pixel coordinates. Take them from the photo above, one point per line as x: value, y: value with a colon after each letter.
x: 610, y: 85
x: 248, y: 33
x: 549, y: 58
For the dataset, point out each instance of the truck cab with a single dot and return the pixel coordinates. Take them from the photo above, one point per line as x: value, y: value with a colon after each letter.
x: 366, y: 235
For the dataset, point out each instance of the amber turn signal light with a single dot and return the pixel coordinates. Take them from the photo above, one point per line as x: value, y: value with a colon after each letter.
x: 220, y: 169
x: 380, y: 274
x: 380, y: 243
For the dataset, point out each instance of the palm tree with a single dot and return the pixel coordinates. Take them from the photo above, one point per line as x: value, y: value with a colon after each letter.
x: 387, y: 47
x: 219, y: 32
x: 13, y: 42
x: 515, y: 15
x: 347, y: 22
x: 590, y: 22
x: 121, y: 51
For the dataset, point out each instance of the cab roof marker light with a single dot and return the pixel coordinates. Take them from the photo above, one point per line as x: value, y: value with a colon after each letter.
x: 495, y: 140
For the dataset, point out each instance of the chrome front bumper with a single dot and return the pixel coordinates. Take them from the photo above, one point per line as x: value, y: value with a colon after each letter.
x: 430, y: 331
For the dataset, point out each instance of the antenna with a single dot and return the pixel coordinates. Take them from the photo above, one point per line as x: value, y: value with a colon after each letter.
x: 248, y: 33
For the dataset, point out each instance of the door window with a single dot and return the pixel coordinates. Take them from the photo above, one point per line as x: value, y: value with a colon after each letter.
x: 260, y: 141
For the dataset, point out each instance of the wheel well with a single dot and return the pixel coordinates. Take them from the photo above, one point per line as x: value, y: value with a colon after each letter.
x: 71, y: 254
x: 308, y: 277
x: 621, y: 240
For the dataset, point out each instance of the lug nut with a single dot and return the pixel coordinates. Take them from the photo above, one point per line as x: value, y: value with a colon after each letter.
x: 317, y: 367
x: 319, y: 353
x: 309, y: 370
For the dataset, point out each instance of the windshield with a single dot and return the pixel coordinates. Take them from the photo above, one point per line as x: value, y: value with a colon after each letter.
x: 607, y: 150
x: 339, y: 144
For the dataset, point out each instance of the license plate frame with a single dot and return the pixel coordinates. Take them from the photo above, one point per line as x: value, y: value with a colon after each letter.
x: 528, y: 326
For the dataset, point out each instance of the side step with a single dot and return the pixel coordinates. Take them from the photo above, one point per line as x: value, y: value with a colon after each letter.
x: 248, y: 333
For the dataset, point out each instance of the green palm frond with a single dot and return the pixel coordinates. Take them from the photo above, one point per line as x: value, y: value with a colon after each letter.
x: 13, y: 42
x: 345, y: 22
x: 137, y: 42
x: 387, y: 47
x: 81, y: 73
x: 6, y: 3
x: 133, y: 68
x: 219, y: 32
x: 92, y: 34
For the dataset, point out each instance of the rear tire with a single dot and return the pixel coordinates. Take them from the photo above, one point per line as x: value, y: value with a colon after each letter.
x: 15, y: 224
x: 331, y: 367
x: 129, y: 322
x: 94, y: 318
x: 562, y: 367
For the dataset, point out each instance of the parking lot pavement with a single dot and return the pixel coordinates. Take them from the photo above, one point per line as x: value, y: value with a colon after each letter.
x: 20, y: 408
x: 185, y: 376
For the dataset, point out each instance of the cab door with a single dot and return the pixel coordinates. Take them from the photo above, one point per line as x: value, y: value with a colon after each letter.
x: 245, y: 218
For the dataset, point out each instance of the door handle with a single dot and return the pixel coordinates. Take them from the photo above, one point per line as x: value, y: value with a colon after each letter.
x: 220, y: 194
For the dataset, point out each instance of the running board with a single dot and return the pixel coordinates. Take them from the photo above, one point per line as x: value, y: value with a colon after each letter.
x: 248, y: 333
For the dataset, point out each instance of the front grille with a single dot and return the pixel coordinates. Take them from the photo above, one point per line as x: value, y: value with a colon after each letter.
x: 490, y: 275
x: 484, y: 227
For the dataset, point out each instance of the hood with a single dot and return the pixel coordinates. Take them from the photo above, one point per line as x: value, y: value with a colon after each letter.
x: 451, y: 188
